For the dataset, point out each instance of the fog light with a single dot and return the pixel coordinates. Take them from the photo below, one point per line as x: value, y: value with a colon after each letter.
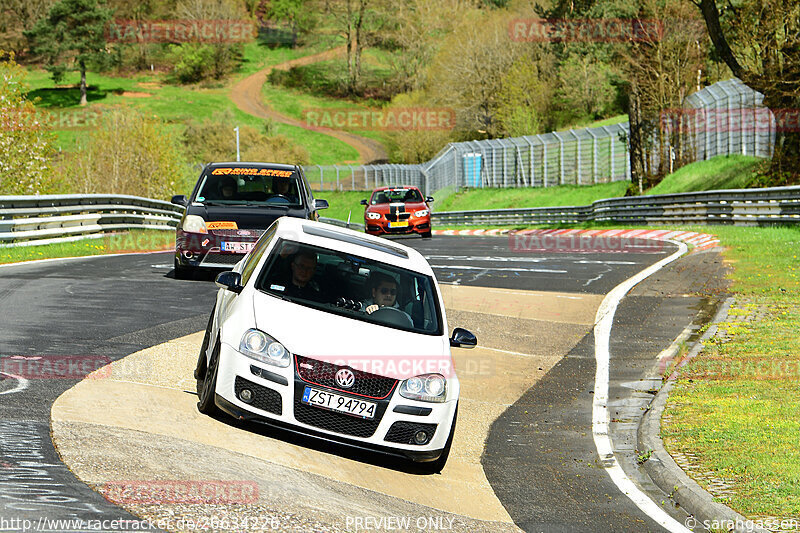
x: 421, y: 437
x: 246, y: 395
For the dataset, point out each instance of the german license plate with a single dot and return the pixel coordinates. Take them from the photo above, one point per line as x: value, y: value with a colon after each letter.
x: 238, y: 247
x: 403, y: 224
x: 338, y: 403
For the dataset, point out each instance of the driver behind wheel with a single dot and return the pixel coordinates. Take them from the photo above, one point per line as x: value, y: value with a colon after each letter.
x: 384, y: 293
x: 283, y: 187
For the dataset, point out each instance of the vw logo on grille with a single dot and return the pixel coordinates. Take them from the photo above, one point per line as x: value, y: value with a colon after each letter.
x: 345, y: 378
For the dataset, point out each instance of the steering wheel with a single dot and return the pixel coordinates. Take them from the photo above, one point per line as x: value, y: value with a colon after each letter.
x: 393, y: 316
x: 284, y: 199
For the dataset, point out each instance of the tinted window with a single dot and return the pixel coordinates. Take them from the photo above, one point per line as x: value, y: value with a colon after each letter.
x: 247, y: 186
x: 352, y: 286
x: 396, y: 195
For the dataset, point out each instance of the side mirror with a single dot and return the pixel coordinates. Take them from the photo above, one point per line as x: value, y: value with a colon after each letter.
x: 363, y: 202
x: 463, y: 339
x: 180, y: 200
x: 230, y: 280
x: 429, y: 199
x: 321, y: 204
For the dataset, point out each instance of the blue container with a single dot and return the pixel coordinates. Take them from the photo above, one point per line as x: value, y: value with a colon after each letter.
x: 472, y: 169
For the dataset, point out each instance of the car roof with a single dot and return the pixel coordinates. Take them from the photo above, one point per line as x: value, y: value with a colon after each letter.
x: 278, y: 166
x: 395, y: 187
x: 352, y: 242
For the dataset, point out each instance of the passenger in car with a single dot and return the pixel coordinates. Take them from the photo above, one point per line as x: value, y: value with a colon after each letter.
x: 301, y: 284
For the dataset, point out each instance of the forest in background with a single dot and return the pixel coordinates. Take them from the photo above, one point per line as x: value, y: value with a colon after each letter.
x: 457, y: 54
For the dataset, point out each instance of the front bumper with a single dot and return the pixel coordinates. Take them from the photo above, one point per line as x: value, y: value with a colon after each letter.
x: 196, y: 250
x: 276, y: 403
x: 381, y: 227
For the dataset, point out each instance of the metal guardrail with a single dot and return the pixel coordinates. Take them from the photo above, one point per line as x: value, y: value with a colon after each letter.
x: 34, y: 220
x: 740, y: 207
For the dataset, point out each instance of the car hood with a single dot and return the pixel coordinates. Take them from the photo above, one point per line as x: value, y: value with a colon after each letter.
x: 349, y: 342
x: 387, y: 208
x: 246, y: 217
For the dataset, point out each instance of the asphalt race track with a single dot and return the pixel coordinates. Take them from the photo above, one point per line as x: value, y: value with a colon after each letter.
x: 539, y: 458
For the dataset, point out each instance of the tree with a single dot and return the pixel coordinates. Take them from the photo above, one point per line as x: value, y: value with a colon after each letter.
x: 525, y: 96
x: 71, y: 36
x: 355, y: 20
x: 661, y: 67
x: 26, y: 140
x: 19, y: 15
x: 759, y: 40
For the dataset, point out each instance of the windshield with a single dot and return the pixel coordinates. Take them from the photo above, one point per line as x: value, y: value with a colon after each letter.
x: 396, y: 195
x: 249, y: 186
x: 352, y: 286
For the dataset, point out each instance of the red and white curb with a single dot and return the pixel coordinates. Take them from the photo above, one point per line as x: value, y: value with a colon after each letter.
x: 700, y: 241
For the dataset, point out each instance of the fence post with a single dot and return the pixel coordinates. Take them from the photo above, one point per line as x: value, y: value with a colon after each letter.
x: 544, y: 160
x: 533, y: 172
x: 628, y: 154
x: 594, y: 155
x: 560, y: 158
x: 338, y: 187
x: 321, y: 181
x: 577, y: 157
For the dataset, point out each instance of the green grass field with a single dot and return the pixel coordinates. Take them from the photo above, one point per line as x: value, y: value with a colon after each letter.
x: 343, y: 203
x: 721, y: 172
x: 174, y: 104
x: 489, y: 198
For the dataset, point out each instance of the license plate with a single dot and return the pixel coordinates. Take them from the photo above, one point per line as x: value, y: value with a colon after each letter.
x: 403, y: 224
x: 338, y: 403
x: 238, y: 247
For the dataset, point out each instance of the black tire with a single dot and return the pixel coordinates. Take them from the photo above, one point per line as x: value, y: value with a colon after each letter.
x: 181, y: 272
x: 200, y: 369
x: 435, y: 467
x: 207, y: 386
x: 427, y: 235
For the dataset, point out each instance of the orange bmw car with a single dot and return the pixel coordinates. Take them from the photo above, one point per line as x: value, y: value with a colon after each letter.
x: 397, y: 211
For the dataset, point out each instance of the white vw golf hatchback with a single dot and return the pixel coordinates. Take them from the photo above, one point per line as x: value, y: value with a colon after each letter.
x: 336, y: 334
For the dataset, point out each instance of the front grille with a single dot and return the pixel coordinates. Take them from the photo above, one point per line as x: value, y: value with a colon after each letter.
x: 323, y: 374
x: 337, y: 422
x: 398, y: 216
x: 265, y: 399
x: 221, y: 259
x: 403, y: 432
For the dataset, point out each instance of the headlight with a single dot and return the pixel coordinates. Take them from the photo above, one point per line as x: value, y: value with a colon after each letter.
x: 194, y: 224
x: 421, y: 213
x: 373, y: 216
x: 261, y: 347
x: 427, y: 388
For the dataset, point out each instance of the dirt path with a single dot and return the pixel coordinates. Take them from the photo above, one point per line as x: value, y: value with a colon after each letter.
x: 247, y: 96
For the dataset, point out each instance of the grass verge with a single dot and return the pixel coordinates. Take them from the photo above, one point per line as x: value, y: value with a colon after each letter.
x: 721, y: 172
x: 735, y: 407
x: 134, y: 241
x: 491, y: 198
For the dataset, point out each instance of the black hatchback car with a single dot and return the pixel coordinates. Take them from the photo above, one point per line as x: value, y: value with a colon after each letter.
x: 231, y: 206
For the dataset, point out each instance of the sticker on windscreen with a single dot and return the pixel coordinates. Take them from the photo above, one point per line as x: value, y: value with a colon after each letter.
x: 277, y: 288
